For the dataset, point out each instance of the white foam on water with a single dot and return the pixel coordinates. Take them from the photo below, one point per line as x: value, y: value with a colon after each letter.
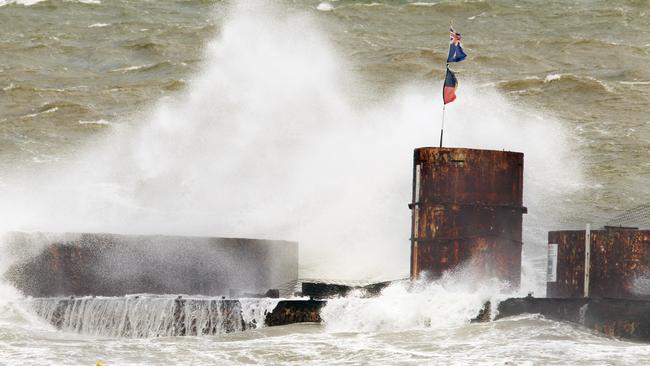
x: 254, y: 311
x: 325, y: 6
x: 20, y: 2
x: 97, y: 122
x: 451, y: 301
x: 34, y: 2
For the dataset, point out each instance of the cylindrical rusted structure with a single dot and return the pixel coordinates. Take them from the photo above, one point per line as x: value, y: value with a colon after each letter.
x: 619, y: 264
x: 467, y: 205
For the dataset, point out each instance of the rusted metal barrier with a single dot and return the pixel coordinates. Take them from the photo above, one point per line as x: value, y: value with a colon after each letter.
x: 619, y: 264
x: 467, y: 206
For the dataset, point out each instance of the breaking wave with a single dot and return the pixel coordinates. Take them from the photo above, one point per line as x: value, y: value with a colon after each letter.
x: 454, y: 300
x: 551, y: 81
x: 275, y: 138
x: 34, y: 2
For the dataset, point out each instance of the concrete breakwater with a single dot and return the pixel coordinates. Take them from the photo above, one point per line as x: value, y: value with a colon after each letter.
x: 620, y: 318
x: 147, y: 316
x: 165, y: 316
x: 95, y: 264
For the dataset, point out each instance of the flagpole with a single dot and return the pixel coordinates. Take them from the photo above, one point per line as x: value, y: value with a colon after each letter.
x: 442, y: 127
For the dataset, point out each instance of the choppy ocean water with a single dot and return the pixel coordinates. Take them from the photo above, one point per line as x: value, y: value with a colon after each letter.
x: 296, y: 120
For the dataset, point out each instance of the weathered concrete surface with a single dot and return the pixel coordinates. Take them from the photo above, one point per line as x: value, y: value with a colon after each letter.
x: 50, y: 265
x: 619, y: 266
x: 157, y: 317
x: 621, y: 318
x: 295, y: 311
x: 467, y: 205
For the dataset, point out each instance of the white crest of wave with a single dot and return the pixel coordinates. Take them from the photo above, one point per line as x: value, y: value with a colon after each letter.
x: 275, y: 138
x: 34, y: 2
x: 20, y: 2
x: 450, y: 301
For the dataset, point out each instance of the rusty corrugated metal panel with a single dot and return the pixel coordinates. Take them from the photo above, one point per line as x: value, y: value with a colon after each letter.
x: 467, y: 205
x: 620, y: 264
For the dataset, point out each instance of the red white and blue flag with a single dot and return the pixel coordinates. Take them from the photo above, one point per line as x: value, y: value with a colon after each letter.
x: 456, y: 53
x: 449, y: 89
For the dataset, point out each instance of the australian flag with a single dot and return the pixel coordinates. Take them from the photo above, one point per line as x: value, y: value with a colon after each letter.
x: 456, y: 53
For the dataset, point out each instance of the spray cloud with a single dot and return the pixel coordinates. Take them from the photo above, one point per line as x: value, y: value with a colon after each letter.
x: 270, y: 141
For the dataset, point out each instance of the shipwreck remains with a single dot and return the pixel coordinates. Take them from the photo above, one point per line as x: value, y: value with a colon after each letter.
x: 47, y: 265
x: 467, y: 208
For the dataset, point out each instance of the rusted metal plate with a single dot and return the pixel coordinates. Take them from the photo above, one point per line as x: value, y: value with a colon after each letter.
x: 470, y: 176
x: 619, y: 267
x: 467, y: 206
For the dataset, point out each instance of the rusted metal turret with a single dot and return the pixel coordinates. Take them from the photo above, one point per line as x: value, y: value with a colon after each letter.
x: 467, y: 205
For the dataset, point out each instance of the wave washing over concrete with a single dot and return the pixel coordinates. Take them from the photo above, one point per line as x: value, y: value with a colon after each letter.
x: 270, y: 141
x: 274, y: 139
x: 142, y: 316
x: 452, y: 301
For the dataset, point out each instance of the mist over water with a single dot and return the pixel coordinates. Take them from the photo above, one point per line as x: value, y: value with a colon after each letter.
x: 272, y: 139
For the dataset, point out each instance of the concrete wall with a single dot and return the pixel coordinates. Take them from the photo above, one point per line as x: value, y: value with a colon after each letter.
x: 114, y: 265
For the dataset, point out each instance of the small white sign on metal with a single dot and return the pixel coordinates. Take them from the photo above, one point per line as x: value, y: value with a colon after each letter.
x: 551, y: 268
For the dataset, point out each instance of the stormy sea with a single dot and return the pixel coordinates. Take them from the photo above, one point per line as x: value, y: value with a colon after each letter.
x: 296, y: 120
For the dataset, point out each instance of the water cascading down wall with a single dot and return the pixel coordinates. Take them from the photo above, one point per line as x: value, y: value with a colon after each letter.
x: 129, y: 285
x: 467, y: 210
